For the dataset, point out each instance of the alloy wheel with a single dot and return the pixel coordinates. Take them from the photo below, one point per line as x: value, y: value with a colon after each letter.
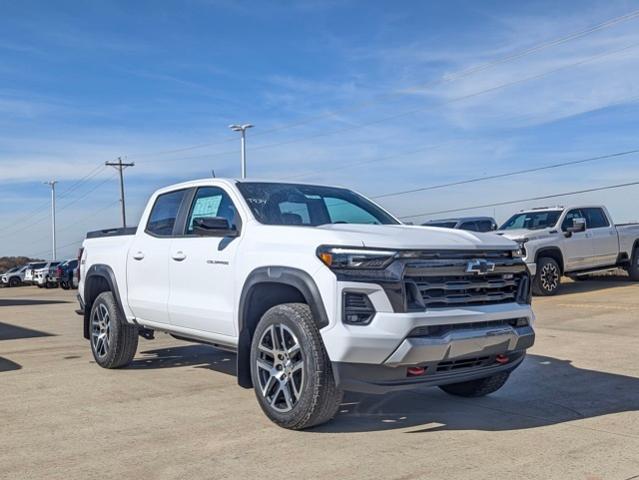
x: 280, y: 367
x: 101, y: 330
x: 549, y: 277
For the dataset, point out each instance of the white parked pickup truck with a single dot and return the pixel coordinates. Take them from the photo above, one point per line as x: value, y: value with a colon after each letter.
x: 316, y: 288
x: 572, y: 241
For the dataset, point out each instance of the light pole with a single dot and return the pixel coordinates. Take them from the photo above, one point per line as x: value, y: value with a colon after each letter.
x: 52, y: 183
x: 242, y: 129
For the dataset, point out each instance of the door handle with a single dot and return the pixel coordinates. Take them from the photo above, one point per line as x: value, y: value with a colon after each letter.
x: 178, y: 256
x: 138, y: 256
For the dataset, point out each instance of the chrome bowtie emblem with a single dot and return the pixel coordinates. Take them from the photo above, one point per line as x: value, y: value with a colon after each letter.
x: 480, y: 267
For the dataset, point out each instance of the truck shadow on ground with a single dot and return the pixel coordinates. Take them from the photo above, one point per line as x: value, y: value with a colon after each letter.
x: 193, y: 355
x: 13, y: 332
x: 7, y: 365
x: 22, y: 302
x: 542, y: 391
x: 593, y: 284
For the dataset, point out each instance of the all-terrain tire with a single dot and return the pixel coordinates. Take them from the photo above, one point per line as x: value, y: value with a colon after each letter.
x: 121, y: 337
x: 633, y: 268
x: 313, y: 400
x: 547, y: 278
x: 477, y: 388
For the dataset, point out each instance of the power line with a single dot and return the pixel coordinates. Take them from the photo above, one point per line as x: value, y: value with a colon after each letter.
x: 530, y: 199
x: 411, y: 90
x: 508, y: 174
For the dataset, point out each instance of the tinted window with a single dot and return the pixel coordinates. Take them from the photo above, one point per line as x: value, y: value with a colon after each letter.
x: 484, y: 226
x: 292, y: 204
x: 532, y: 220
x: 570, y: 216
x: 164, y: 213
x: 595, y: 218
x: 211, y: 202
x: 472, y: 226
x: 441, y: 224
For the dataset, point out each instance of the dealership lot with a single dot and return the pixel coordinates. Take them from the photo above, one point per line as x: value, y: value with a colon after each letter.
x: 571, y: 411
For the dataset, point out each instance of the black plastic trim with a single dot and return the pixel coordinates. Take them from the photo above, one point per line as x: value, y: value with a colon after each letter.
x: 99, y: 271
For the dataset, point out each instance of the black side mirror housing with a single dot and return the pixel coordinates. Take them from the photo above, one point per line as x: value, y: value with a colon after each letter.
x: 214, y: 227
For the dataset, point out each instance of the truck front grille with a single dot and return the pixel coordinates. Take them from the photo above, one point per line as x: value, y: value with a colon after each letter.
x: 448, y: 283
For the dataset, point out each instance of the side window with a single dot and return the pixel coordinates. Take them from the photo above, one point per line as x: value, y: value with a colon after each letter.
x: 164, y: 213
x: 484, y: 226
x: 211, y: 202
x: 293, y: 213
x: 596, y: 218
x: 470, y: 226
x: 570, y: 216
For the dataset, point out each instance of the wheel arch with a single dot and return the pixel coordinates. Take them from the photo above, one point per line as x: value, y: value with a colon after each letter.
x: 266, y: 287
x: 99, y: 278
x: 551, y: 252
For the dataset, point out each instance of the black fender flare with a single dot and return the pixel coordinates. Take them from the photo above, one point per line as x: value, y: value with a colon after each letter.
x: 293, y: 277
x: 556, y: 251
x: 105, y: 272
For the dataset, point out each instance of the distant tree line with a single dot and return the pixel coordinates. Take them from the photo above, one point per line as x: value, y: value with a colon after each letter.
x: 9, y: 262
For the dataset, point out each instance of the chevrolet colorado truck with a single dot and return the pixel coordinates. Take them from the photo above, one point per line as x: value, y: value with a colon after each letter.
x: 572, y: 241
x: 317, y: 289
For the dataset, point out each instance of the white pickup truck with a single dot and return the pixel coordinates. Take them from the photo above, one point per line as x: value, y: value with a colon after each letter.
x: 572, y: 241
x: 316, y: 288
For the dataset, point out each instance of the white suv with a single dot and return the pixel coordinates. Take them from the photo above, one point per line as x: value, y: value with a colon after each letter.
x: 316, y: 288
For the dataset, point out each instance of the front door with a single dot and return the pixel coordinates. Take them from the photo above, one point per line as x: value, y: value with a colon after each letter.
x: 202, y: 269
x: 577, y: 248
x: 148, y: 260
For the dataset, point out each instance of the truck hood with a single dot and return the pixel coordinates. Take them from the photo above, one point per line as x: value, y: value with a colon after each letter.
x: 524, y: 233
x: 418, y: 237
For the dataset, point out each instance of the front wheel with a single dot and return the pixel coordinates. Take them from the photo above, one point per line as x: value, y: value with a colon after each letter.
x: 547, y: 278
x: 113, y: 340
x: 14, y: 282
x: 290, y: 369
x: 477, y: 388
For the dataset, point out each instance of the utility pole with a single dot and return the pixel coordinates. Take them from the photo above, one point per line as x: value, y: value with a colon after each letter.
x: 242, y: 129
x: 120, y: 166
x: 52, y: 183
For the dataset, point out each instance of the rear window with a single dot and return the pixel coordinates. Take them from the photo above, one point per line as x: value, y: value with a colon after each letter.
x: 164, y: 213
x: 595, y: 218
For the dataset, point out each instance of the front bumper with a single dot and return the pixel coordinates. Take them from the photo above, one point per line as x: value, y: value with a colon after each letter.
x: 379, y: 379
x: 375, y: 357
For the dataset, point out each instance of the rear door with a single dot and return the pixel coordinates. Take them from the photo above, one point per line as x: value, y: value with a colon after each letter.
x: 577, y: 248
x: 603, y: 235
x: 148, y: 260
x: 201, y: 268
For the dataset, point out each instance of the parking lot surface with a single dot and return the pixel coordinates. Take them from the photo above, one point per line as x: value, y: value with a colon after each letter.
x: 570, y: 412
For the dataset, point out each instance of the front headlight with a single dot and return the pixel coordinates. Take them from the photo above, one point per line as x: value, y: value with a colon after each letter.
x: 521, y: 249
x: 361, y: 258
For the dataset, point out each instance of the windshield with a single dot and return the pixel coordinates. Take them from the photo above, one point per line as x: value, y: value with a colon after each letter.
x: 532, y: 220
x: 309, y: 205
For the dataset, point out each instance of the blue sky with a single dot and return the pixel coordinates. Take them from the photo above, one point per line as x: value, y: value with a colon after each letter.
x: 362, y: 94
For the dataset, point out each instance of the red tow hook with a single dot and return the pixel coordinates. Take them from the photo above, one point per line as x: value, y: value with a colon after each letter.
x: 502, y: 359
x: 415, y: 371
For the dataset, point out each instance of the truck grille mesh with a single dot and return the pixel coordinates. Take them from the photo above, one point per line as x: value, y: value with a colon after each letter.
x: 446, y: 283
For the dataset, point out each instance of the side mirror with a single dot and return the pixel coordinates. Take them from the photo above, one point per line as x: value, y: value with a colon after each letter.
x: 578, y: 225
x: 213, y: 227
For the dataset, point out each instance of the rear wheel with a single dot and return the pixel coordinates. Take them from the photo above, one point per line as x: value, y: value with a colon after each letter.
x: 547, y: 278
x: 633, y: 268
x: 113, y: 340
x: 64, y: 285
x: 290, y: 369
x: 477, y: 388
